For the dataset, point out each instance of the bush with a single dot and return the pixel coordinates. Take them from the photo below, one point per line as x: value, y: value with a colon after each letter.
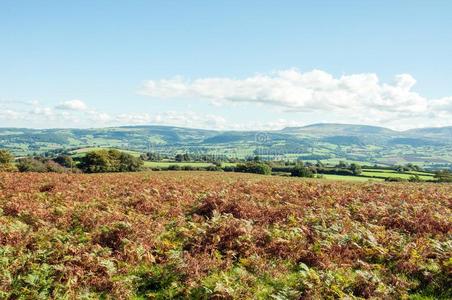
x: 174, y: 168
x: 229, y: 169
x: 415, y: 178
x: 64, y: 160
x: 301, y: 171
x: 356, y: 169
x: 6, y: 161
x: 31, y: 165
x: 40, y: 166
x: 100, y: 161
x: 395, y: 179
x: 214, y: 168
x: 254, y: 167
x: 443, y: 176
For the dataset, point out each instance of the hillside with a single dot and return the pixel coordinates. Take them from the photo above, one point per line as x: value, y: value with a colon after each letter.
x: 329, y: 142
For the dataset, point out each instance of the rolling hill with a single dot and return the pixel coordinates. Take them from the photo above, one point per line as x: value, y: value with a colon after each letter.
x: 327, y: 142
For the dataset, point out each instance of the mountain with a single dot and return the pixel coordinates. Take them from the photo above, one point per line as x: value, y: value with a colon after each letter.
x: 338, y: 129
x: 434, y: 132
x: 328, y: 142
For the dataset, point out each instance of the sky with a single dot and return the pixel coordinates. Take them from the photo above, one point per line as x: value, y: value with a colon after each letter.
x: 227, y: 65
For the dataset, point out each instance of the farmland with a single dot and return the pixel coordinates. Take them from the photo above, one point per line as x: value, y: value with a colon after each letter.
x: 199, y: 235
x: 429, y: 148
x: 394, y: 174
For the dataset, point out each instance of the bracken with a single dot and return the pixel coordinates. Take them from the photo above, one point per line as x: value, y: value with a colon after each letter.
x: 204, y: 235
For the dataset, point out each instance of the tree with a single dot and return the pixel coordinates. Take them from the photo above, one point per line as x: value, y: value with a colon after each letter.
x: 414, y: 178
x: 254, y: 167
x: 96, y: 162
x: 301, y: 171
x: 443, y: 176
x: 30, y: 164
x: 64, y: 160
x: 356, y: 169
x: 6, y: 161
x: 100, y: 161
x: 341, y: 165
x: 129, y: 163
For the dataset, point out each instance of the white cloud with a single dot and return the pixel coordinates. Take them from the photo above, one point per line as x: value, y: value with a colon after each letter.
x: 184, y: 119
x: 274, y: 100
x: 315, y: 91
x: 9, y: 114
x: 75, y: 104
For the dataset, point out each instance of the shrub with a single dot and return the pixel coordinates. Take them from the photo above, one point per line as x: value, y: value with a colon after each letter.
x: 40, y: 166
x: 214, y: 168
x: 443, y: 176
x: 301, y: 171
x: 229, y: 168
x: 100, y: 161
x: 395, y: 179
x: 31, y: 165
x: 174, y: 168
x: 64, y: 160
x: 254, y: 167
x: 6, y: 161
x: 414, y: 178
x: 356, y: 169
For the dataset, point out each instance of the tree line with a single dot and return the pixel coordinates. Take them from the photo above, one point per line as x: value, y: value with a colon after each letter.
x: 97, y: 161
x: 112, y: 160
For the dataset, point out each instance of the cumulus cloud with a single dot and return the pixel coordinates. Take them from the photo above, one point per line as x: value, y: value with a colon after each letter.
x: 313, y: 91
x: 75, y: 104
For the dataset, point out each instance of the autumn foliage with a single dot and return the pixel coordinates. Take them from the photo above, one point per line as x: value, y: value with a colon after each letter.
x: 204, y: 235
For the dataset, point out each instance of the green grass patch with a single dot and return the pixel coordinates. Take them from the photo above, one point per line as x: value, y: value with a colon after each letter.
x: 349, y: 178
x: 166, y: 164
x: 395, y: 174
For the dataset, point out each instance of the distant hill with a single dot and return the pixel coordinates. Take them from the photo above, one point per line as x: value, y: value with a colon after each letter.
x: 333, y: 142
x: 338, y: 129
x: 436, y: 132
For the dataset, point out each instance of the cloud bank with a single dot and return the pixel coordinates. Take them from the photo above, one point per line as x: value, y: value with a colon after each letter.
x: 274, y: 100
x: 313, y: 91
x: 76, y: 113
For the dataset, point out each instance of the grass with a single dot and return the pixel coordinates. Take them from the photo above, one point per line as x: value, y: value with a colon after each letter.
x: 166, y: 164
x: 349, y: 178
x: 395, y: 174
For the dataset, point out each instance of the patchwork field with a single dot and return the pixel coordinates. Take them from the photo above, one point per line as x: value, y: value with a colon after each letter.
x: 207, y: 235
x: 394, y: 174
x: 349, y: 178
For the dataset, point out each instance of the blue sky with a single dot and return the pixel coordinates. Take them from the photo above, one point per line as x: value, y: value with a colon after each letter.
x: 225, y: 64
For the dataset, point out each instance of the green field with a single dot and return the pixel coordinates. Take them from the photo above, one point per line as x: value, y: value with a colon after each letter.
x: 395, y: 174
x: 166, y: 164
x: 349, y: 178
